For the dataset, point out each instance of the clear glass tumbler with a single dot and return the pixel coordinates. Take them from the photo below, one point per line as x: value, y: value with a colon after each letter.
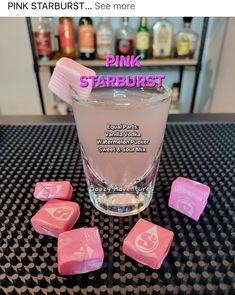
x: 121, y: 133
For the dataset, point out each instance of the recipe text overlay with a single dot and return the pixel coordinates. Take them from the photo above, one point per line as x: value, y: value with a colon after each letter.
x: 122, y: 138
x: 129, y: 61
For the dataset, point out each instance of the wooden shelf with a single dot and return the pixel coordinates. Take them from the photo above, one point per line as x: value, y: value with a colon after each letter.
x: 144, y: 63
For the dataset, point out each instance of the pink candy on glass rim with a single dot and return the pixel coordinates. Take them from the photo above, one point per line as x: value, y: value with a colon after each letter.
x: 189, y: 197
x: 66, y: 76
x: 80, y: 251
x: 55, y: 217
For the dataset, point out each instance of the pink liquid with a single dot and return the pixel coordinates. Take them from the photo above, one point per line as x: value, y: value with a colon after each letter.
x: 133, y: 107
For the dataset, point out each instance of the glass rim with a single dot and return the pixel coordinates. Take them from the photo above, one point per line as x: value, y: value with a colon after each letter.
x: 156, y: 98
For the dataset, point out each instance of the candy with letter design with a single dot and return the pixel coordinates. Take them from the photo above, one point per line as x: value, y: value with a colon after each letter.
x: 189, y: 197
x: 79, y: 251
x: 55, y: 217
x: 45, y: 191
x: 148, y: 243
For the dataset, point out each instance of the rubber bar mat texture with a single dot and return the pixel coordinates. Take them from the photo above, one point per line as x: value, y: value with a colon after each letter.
x: 201, y: 258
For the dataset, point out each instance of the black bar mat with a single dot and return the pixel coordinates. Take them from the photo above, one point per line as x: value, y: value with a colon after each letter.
x: 201, y: 258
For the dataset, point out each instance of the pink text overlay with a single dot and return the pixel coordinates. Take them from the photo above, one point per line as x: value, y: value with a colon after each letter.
x: 129, y: 61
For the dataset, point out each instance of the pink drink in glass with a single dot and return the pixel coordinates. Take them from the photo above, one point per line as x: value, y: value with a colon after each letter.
x: 121, y: 133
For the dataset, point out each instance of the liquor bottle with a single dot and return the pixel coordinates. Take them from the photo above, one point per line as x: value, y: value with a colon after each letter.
x: 67, y: 40
x: 86, y: 38
x: 175, y: 97
x: 42, y: 37
x: 104, y: 39
x: 186, y: 40
x: 142, y: 39
x: 162, y: 38
x: 125, y: 39
x: 57, y: 42
x: 54, y: 35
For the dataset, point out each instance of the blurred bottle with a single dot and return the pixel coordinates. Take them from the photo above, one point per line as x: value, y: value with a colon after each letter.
x: 175, y: 98
x: 57, y: 43
x: 104, y: 39
x: 86, y: 38
x: 186, y: 40
x: 125, y: 38
x: 162, y: 38
x: 67, y: 40
x: 42, y: 37
x: 175, y: 94
x: 54, y: 35
x: 142, y: 39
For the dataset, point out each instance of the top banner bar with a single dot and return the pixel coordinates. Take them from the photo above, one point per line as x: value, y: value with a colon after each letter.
x: 117, y: 8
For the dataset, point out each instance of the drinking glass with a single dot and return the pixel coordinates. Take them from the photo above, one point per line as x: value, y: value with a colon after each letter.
x: 121, y: 133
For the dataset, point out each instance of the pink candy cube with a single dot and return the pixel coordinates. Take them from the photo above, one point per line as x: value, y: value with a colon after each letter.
x: 53, y: 190
x: 148, y: 243
x: 55, y: 217
x: 189, y: 197
x: 66, y: 76
x: 79, y: 251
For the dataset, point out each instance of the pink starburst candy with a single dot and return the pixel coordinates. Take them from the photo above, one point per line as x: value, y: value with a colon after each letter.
x: 66, y: 77
x: 148, y: 243
x: 189, y: 197
x: 79, y: 251
x: 55, y: 217
x: 45, y: 191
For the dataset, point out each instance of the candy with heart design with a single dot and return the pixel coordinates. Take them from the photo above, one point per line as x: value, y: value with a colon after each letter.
x: 45, y: 191
x: 55, y: 217
x: 84, y: 252
x: 148, y: 243
x: 189, y: 197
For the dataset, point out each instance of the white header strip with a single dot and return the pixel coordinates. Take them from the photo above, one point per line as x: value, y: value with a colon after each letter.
x: 117, y: 8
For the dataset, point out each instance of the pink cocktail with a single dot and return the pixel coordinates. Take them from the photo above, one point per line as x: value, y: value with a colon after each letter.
x: 121, y: 133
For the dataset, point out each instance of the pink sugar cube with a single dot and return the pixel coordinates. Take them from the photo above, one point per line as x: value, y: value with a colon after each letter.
x: 79, y: 251
x: 53, y: 190
x: 189, y: 197
x: 55, y: 217
x: 148, y: 243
